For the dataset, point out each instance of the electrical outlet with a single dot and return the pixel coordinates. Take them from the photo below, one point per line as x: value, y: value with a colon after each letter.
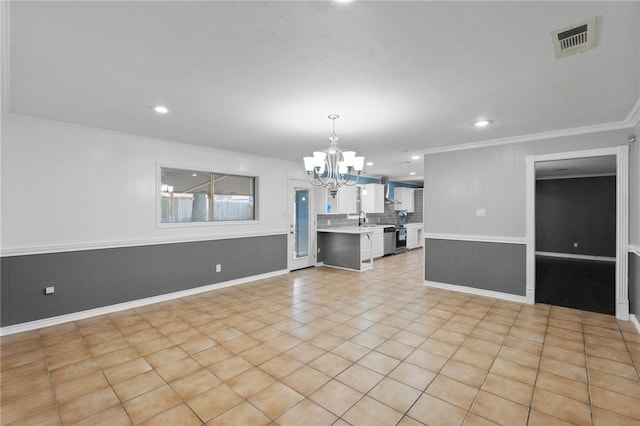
x: 329, y: 222
x: 575, y: 245
x: 481, y: 212
x: 49, y: 290
x: 218, y: 268
x: 318, y: 249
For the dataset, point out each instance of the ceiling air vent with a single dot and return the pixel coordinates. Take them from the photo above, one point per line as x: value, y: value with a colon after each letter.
x: 574, y: 39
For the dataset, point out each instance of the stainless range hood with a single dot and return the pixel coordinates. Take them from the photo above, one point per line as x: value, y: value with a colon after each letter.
x: 387, y: 200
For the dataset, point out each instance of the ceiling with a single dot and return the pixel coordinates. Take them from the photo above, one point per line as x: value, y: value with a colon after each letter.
x: 261, y: 77
x: 577, y: 167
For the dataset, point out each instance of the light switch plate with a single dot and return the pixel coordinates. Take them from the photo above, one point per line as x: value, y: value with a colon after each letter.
x: 49, y: 290
x: 481, y: 212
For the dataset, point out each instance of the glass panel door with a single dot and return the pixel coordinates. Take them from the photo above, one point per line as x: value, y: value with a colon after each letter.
x: 301, y: 223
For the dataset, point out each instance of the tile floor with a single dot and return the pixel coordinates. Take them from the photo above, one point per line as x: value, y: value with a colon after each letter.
x: 325, y: 346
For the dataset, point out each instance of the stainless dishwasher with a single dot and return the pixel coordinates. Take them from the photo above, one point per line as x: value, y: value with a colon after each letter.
x: 389, y: 239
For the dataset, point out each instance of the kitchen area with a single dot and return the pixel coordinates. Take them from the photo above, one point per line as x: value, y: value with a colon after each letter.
x: 366, y: 222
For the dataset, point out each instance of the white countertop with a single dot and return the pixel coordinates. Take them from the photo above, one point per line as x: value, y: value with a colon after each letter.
x: 351, y: 229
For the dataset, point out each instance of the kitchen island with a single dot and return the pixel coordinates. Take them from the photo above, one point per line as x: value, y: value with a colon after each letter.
x: 347, y: 247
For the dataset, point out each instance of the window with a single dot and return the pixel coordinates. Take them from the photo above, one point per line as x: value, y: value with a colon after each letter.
x: 197, y: 196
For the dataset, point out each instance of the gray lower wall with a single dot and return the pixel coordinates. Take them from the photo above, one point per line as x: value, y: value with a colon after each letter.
x: 95, y: 278
x: 342, y: 250
x: 634, y: 284
x: 483, y: 265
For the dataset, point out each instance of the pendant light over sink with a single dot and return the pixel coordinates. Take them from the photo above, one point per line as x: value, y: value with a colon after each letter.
x: 333, y: 168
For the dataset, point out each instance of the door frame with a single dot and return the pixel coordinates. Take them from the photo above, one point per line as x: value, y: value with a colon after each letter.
x: 622, y: 220
x: 292, y: 185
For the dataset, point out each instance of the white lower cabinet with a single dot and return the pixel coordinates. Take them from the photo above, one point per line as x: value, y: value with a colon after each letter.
x: 414, y: 236
x: 378, y: 243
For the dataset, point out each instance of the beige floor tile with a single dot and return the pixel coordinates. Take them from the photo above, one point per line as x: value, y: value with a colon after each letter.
x: 336, y: 397
x: 57, y: 361
x: 214, y: 402
x: 74, y: 371
x: 561, y: 407
x: 305, y: 353
x: 379, y: 362
x: 453, y: 392
x: 602, y: 417
x: 259, y: 354
x: 151, y: 403
x: 616, y: 402
x: 351, y: 351
x: 212, y: 355
x: 25, y: 386
x: 536, y: 418
x: 464, y: 373
x: 82, y: 385
x: 562, y: 386
x: 613, y: 383
x: 165, y: 356
x: 242, y: 414
x: 514, y: 371
x: 439, y: 347
x: 251, y: 382
x: 88, y: 405
x: 276, y: 399
x: 114, y: 416
x: 230, y: 367
x: 117, y: 357
x: 412, y: 375
x: 431, y: 410
x: 330, y: 364
x: 612, y: 367
x: 499, y: 410
x: 508, y: 388
x: 368, y: 411
x: 127, y: 370
x: 395, y: 394
x: 306, y: 413
x: 475, y: 420
x: 280, y: 366
x: 179, y: 415
x: 195, y: 383
x: 563, y: 369
x: 360, y: 378
x: 472, y: 357
x: 427, y: 360
x: 25, y: 407
x: 305, y: 380
x: 138, y: 385
x: 48, y: 417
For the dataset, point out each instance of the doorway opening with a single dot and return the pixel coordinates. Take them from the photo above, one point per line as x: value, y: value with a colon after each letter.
x: 576, y: 233
x: 577, y: 222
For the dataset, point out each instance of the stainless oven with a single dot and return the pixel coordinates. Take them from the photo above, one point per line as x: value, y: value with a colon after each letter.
x: 401, y: 239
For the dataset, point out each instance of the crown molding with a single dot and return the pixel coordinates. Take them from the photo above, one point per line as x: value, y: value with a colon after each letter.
x: 618, y: 125
x: 634, y: 115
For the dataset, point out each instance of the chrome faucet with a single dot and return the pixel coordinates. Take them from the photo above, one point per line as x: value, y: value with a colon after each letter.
x: 360, y: 217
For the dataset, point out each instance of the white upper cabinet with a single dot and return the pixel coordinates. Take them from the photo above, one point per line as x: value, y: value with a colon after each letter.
x: 373, y: 198
x: 405, y: 196
x: 348, y: 200
x: 345, y: 202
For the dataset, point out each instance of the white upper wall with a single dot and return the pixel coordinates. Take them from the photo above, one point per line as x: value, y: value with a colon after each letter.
x: 492, y: 178
x: 68, y: 187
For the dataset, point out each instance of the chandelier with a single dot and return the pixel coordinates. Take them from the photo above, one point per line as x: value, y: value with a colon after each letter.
x: 333, y: 168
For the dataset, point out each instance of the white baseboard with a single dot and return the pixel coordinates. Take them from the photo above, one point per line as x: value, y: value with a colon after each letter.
x: 635, y: 321
x: 477, y: 291
x: 48, y: 322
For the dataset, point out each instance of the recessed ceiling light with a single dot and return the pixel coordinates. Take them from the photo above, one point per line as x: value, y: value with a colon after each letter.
x: 415, y: 157
x: 194, y: 174
x: 482, y: 123
x: 160, y: 109
x: 412, y: 173
x: 369, y: 163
